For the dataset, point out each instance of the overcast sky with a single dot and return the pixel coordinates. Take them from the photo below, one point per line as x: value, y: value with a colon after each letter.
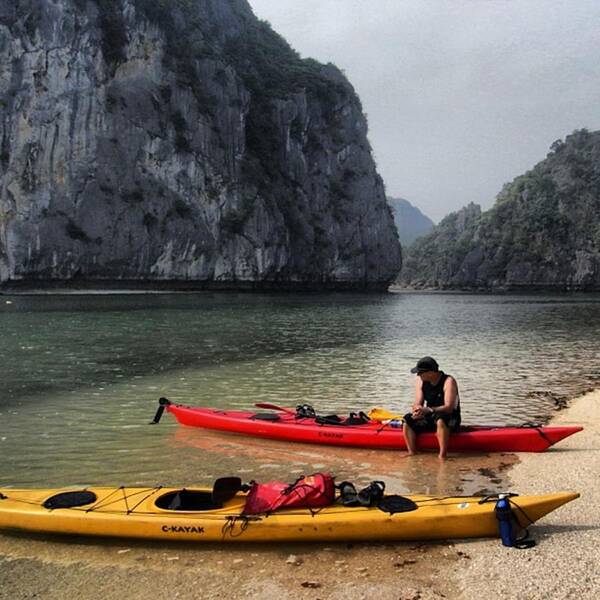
x: 461, y: 95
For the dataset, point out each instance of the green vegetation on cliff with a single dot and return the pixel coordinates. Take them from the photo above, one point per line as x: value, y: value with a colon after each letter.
x: 269, y: 67
x: 543, y: 231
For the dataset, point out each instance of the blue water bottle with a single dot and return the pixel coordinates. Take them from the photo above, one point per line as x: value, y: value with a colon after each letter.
x: 395, y: 423
x: 505, y: 520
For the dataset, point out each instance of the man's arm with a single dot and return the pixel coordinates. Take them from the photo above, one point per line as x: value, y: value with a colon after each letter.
x: 418, y: 408
x: 419, y: 399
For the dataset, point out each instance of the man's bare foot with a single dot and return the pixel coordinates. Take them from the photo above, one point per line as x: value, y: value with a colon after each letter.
x: 442, y: 456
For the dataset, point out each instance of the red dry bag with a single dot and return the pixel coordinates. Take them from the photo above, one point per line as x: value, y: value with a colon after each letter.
x: 312, y: 491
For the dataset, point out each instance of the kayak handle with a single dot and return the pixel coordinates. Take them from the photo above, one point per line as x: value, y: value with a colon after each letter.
x: 162, y: 403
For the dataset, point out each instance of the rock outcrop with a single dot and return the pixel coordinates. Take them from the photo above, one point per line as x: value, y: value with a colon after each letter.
x: 410, y: 221
x: 181, y: 142
x: 542, y: 233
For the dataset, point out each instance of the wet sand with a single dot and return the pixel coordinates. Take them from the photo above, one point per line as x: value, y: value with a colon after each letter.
x: 56, y: 568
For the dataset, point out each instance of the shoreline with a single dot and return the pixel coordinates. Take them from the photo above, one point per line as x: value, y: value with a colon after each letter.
x: 564, y: 562
x: 125, y: 290
x: 125, y: 287
x: 560, y: 566
x: 40, y: 286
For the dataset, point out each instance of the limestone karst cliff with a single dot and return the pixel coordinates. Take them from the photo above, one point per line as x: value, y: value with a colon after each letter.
x: 183, y: 142
x: 542, y: 233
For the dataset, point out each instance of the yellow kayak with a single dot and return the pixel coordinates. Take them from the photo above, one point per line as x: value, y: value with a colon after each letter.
x: 197, y: 515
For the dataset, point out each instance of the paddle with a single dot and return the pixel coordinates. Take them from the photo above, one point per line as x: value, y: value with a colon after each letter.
x: 275, y: 407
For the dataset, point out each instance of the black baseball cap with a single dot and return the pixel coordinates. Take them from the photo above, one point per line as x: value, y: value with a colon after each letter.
x: 425, y: 364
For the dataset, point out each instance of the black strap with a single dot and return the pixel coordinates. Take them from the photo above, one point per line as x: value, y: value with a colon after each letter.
x: 357, y: 419
x: 524, y: 542
x: 353, y: 419
x: 348, y: 494
x: 291, y: 486
x: 370, y: 495
x: 305, y: 411
x: 329, y: 420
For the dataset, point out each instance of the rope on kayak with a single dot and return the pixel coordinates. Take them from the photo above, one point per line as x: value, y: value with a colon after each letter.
x: 431, y: 501
x: 538, y: 428
x: 104, y: 502
x: 495, y: 497
x: 152, y: 491
x: 146, y: 493
x: 522, y: 511
x: 231, y: 521
x: 125, y: 500
x: 389, y: 426
x: 100, y: 504
x: 523, y: 542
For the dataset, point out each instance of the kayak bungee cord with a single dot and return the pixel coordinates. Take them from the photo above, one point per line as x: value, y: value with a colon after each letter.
x: 104, y: 503
x: 537, y: 427
x: 521, y: 510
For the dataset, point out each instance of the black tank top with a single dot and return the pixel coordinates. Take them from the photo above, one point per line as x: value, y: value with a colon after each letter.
x: 434, y: 394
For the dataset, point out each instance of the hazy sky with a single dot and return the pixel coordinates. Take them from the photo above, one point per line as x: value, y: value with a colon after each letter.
x: 461, y: 95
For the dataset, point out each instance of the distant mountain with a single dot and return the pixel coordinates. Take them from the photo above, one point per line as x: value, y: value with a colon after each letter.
x: 410, y: 221
x: 542, y: 233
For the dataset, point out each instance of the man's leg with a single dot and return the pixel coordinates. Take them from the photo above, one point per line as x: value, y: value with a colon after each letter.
x: 410, y: 437
x: 443, y: 435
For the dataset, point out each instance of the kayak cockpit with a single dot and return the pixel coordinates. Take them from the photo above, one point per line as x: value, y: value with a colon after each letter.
x: 187, y: 500
x: 224, y: 489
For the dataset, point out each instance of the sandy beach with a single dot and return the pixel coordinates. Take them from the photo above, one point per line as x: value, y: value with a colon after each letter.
x: 562, y: 565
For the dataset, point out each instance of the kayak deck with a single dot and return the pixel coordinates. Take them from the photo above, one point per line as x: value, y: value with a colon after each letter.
x: 144, y: 513
x: 369, y: 435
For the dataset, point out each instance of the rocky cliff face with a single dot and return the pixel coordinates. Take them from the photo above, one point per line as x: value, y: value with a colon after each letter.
x: 180, y: 141
x: 410, y: 221
x: 542, y: 233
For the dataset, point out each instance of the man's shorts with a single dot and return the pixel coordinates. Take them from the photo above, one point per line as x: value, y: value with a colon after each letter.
x: 429, y: 423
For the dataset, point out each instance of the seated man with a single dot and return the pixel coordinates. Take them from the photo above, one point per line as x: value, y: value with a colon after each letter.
x: 436, y: 407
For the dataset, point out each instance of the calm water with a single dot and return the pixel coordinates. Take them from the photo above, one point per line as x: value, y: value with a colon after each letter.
x: 80, y: 378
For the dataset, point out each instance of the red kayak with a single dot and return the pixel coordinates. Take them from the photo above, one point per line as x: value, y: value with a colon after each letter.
x: 285, y: 425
